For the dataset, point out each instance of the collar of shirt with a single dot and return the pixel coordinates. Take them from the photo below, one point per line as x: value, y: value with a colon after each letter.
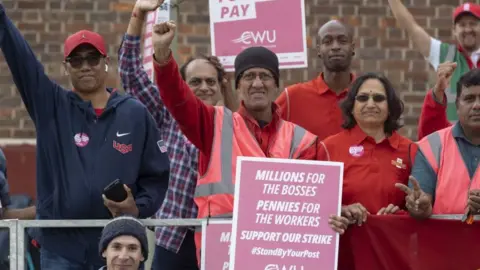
x: 252, y: 121
x: 473, y: 59
x: 358, y: 137
x: 457, y: 133
x: 320, y: 84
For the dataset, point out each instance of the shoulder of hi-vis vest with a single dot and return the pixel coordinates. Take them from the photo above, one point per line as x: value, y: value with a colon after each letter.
x: 453, y: 179
x: 232, y: 138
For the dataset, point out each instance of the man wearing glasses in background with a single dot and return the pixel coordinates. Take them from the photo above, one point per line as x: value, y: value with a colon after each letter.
x: 86, y: 139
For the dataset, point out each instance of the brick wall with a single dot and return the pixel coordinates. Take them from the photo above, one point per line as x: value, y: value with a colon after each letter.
x: 381, y: 46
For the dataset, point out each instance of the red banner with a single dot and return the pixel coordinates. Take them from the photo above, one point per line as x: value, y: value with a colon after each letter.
x: 403, y: 243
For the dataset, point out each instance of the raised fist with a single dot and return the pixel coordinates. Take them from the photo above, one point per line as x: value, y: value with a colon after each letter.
x: 162, y: 37
x: 444, y: 74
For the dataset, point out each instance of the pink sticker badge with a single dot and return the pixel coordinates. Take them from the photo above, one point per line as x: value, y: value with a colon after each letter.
x: 81, y: 139
x: 356, y: 150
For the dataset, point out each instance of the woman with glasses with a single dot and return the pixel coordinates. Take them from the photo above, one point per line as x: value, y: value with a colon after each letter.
x: 374, y: 154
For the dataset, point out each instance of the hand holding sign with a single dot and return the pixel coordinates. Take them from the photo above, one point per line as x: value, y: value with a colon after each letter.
x: 355, y: 213
x: 418, y: 203
x: 162, y: 38
x: 444, y: 74
x: 338, y: 224
x: 148, y: 5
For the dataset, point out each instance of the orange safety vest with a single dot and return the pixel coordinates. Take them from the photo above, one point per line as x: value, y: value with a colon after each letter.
x: 453, y: 180
x: 232, y: 138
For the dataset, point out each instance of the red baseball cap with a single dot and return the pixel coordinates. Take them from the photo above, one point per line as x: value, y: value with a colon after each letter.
x: 84, y: 37
x: 470, y: 8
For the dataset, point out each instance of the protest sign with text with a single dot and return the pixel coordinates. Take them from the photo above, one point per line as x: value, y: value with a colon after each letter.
x: 278, y: 25
x: 281, y: 211
x: 216, y: 235
x: 162, y: 14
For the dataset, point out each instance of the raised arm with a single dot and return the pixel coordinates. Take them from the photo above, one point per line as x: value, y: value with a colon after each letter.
x: 433, y: 116
x: 36, y: 89
x: 195, y: 118
x: 134, y: 78
x: 406, y: 21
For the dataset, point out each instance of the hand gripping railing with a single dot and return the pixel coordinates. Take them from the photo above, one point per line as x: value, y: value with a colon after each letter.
x: 17, y: 230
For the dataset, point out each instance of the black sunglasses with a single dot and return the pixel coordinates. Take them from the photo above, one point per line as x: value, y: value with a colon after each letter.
x: 377, y: 98
x: 77, y: 61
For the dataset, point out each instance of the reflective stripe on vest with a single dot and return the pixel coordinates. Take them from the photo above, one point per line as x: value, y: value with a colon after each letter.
x: 298, y: 133
x: 226, y: 186
x: 453, y: 179
x: 434, y: 150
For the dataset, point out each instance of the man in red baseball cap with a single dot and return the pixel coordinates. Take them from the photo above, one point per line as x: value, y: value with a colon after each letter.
x: 467, y: 27
x: 439, y: 107
x: 88, y: 139
x: 86, y: 63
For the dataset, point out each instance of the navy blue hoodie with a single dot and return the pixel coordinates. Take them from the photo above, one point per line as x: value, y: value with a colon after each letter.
x: 79, y: 154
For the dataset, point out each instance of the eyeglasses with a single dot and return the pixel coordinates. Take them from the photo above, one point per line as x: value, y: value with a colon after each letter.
x: 251, y: 76
x: 77, y: 61
x: 377, y: 98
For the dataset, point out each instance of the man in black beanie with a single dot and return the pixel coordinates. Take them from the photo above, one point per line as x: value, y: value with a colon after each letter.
x: 255, y: 130
x: 256, y: 57
x: 124, y: 244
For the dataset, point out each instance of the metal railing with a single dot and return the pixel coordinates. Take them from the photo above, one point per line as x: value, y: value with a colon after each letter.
x: 17, y: 230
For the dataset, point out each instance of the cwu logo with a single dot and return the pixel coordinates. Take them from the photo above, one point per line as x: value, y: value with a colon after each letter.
x: 258, y: 37
x: 283, y: 267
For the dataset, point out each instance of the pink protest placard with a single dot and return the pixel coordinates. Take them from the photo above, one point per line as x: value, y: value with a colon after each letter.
x: 216, y: 235
x: 278, y: 25
x: 162, y: 14
x: 281, y: 211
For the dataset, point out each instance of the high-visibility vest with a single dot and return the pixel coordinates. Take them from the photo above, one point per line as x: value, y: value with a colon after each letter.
x: 453, y: 180
x: 232, y: 138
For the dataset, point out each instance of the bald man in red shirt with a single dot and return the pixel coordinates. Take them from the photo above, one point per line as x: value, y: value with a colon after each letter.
x: 314, y: 105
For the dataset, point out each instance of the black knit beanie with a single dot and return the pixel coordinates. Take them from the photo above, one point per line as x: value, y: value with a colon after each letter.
x: 124, y: 225
x: 256, y: 57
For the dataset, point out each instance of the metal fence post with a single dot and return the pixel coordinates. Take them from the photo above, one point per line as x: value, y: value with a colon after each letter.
x: 20, y: 246
x: 11, y: 225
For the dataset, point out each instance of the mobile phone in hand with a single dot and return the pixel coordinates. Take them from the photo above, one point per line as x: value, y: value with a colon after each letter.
x: 115, y: 191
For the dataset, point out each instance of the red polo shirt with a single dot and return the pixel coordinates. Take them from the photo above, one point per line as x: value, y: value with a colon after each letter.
x: 313, y: 106
x: 370, y: 169
x: 370, y: 172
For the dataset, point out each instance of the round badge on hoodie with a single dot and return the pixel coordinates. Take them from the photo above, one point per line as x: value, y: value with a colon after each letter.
x: 81, y: 139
